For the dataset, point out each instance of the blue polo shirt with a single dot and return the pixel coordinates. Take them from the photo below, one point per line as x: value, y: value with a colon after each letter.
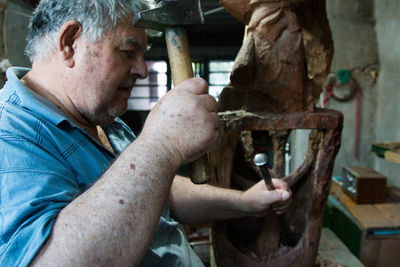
x: 46, y: 161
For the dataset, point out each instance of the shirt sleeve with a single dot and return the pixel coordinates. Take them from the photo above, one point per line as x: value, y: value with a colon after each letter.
x: 34, y: 186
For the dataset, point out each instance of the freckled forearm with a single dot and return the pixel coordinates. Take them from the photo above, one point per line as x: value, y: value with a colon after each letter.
x: 114, y: 221
x: 198, y: 204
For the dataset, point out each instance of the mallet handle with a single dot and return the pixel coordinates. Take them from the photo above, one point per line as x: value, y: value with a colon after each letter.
x: 181, y: 68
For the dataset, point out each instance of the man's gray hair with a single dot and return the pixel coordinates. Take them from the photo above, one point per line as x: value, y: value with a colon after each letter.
x: 96, y: 17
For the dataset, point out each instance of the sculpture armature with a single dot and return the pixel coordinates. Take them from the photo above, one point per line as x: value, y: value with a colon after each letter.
x: 284, y: 58
x: 275, y: 82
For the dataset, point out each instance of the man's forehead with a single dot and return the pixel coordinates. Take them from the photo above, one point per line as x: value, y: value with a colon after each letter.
x: 135, y: 42
x: 126, y: 32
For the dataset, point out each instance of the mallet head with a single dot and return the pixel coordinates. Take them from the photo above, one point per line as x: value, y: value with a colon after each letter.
x: 170, y: 13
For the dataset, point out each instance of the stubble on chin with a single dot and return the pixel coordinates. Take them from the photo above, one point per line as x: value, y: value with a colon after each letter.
x: 105, y: 116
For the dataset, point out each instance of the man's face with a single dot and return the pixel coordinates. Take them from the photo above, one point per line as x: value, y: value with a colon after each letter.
x: 107, y: 71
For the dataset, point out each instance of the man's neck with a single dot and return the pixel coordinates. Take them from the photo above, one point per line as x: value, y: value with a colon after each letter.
x: 53, y: 93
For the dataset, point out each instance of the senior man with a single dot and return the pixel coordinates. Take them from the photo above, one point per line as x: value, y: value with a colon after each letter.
x: 77, y: 188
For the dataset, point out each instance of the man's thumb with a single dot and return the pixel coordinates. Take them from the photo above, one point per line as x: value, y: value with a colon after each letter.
x: 285, y: 195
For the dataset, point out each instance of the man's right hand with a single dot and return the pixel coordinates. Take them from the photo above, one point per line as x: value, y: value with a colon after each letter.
x: 184, y: 121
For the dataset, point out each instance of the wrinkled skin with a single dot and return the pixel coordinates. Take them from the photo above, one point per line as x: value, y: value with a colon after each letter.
x: 192, y: 106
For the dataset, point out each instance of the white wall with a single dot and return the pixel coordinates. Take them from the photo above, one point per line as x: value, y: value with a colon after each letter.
x: 17, y: 21
x: 366, y: 36
x: 387, y: 14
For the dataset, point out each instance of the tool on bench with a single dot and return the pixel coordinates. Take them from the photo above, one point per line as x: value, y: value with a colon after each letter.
x: 171, y: 17
x: 261, y: 160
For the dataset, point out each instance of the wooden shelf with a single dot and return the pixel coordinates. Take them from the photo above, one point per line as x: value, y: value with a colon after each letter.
x: 390, y: 151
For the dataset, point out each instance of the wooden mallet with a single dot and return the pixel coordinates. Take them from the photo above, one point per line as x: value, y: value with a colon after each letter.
x: 172, y: 17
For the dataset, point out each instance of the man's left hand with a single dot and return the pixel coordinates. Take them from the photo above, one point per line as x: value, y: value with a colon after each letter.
x: 258, y: 200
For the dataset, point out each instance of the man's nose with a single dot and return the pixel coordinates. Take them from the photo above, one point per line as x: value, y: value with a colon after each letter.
x: 139, y: 68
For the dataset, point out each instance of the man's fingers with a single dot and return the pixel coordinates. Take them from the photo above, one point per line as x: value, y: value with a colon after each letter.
x: 281, y: 206
x: 197, y: 86
x: 277, y: 195
x: 285, y: 195
x: 279, y: 183
x: 262, y: 200
x: 209, y: 102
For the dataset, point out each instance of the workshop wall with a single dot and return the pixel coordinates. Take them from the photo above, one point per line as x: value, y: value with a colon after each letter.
x: 16, y: 16
x: 388, y: 109
x: 355, y: 49
x: 366, y: 38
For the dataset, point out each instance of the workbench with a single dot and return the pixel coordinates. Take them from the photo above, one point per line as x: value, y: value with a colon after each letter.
x: 370, y: 231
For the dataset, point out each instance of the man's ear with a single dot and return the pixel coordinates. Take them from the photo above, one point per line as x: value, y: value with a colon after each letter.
x: 67, y: 37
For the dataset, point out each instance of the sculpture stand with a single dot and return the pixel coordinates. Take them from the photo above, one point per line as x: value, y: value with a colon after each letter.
x: 292, y: 238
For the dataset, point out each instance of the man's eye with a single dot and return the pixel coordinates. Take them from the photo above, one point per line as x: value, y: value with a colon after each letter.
x: 128, y: 53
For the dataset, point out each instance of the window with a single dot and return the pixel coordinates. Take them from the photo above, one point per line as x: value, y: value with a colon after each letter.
x: 219, y: 73
x: 215, y: 72
x: 148, y: 91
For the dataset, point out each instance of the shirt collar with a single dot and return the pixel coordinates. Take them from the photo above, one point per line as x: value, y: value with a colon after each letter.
x: 31, y: 100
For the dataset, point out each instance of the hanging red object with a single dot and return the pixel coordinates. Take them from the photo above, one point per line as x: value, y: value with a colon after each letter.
x: 344, y: 92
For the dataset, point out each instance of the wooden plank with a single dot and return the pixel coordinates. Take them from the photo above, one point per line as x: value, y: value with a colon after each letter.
x: 391, y: 212
x: 393, y: 156
x: 369, y: 216
x: 318, y: 119
x: 381, y: 148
